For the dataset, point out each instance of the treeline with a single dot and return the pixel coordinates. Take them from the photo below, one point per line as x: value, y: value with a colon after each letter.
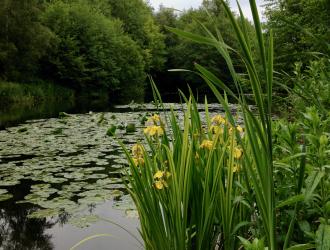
x: 111, y: 46
x: 103, y: 45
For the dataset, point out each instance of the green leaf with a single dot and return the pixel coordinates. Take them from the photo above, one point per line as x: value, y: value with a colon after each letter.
x: 292, y: 200
x: 323, y: 237
x: 312, y: 182
x: 301, y: 247
x: 4, y: 197
x: 193, y: 37
x: 43, y: 213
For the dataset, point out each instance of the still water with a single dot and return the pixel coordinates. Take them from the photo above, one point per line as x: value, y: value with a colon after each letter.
x: 60, y: 180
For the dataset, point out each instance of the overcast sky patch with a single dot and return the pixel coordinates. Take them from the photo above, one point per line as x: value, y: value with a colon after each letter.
x: 185, y: 4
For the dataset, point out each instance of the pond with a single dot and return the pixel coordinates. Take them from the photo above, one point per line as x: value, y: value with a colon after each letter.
x: 60, y: 180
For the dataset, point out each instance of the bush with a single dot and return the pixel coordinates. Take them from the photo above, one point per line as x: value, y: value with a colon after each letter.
x: 311, y: 87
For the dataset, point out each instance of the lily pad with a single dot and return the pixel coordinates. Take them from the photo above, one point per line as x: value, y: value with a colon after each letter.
x: 3, y: 191
x: 92, y: 199
x: 84, y: 221
x: 9, y: 182
x: 43, y: 213
x: 4, y: 197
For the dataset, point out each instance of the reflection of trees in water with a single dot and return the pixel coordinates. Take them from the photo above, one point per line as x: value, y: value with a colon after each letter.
x: 17, y: 231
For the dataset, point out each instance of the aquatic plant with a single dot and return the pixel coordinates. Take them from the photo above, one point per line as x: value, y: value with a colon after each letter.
x: 111, y: 130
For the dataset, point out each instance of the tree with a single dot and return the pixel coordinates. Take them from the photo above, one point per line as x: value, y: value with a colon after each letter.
x: 138, y: 22
x: 182, y: 53
x: 300, y: 27
x: 23, y: 39
x: 91, y: 51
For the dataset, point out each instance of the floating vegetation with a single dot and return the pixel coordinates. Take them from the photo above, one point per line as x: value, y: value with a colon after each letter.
x: 4, y: 197
x: 62, y: 115
x: 3, y: 191
x: 130, y: 128
x: 42, y: 213
x: 21, y: 130
x: 84, y: 221
x: 111, y: 130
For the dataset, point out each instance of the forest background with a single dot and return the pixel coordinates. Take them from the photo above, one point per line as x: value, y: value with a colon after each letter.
x: 107, y: 48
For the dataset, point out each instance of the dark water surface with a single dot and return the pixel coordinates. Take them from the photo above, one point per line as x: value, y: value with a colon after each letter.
x: 60, y: 178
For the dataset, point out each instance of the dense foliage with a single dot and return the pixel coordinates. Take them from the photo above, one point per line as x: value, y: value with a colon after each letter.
x: 301, y: 27
x: 84, y: 45
x: 23, y: 39
x: 91, y: 51
x: 110, y: 45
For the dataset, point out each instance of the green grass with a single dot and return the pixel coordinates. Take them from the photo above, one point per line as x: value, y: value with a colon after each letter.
x: 32, y: 94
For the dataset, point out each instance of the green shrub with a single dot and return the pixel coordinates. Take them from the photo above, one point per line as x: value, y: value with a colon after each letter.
x: 311, y: 87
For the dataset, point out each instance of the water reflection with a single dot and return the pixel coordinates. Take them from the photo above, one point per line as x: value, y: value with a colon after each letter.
x: 17, y: 231
x: 17, y: 113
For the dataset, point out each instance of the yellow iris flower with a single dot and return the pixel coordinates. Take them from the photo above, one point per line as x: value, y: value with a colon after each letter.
x: 138, y: 161
x: 154, y: 120
x: 158, y: 175
x: 137, y: 151
x: 236, y: 168
x: 218, y: 120
x: 237, y: 153
x: 239, y: 129
x: 154, y: 130
x: 159, y: 184
x: 160, y: 178
x: 207, y: 144
x: 216, y: 129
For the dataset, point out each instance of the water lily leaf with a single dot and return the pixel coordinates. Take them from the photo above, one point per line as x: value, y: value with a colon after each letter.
x: 97, y: 176
x: 84, y: 221
x: 102, y: 163
x: 66, y: 194
x: 54, y: 180
x: 131, y: 213
x: 108, y: 181
x: 92, y: 199
x: 3, y: 191
x: 43, y: 213
x: 58, y: 203
x: 73, y: 175
x: 9, y: 182
x: 73, y: 187
x: 93, y: 169
x: 4, y: 197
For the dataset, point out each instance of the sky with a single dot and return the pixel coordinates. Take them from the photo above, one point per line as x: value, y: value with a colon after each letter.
x: 186, y: 4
